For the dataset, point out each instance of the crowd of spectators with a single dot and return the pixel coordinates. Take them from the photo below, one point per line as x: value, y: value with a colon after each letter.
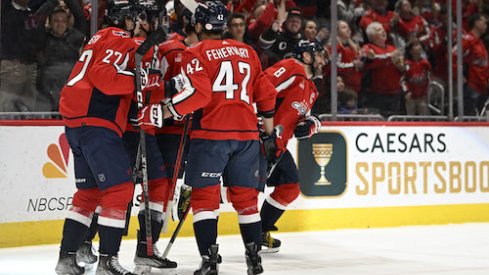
x: 388, y: 51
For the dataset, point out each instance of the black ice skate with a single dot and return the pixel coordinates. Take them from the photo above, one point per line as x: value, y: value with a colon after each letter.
x: 144, y: 263
x: 85, y: 255
x: 269, y: 244
x: 109, y: 265
x: 253, y: 260
x: 67, y: 264
x: 210, y: 263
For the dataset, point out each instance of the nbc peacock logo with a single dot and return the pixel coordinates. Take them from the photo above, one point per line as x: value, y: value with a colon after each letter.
x: 58, y: 155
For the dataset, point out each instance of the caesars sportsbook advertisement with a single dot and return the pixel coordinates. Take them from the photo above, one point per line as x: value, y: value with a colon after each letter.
x: 395, y: 166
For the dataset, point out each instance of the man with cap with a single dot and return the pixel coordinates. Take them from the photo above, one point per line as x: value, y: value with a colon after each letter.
x: 279, y: 40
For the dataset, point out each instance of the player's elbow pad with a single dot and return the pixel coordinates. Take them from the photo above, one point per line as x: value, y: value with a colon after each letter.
x: 266, y: 114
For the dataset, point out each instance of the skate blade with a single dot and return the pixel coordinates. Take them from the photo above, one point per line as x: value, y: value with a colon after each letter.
x: 142, y: 269
x: 268, y: 250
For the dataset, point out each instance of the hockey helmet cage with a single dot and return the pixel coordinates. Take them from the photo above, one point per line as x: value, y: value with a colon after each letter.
x: 212, y: 15
x: 120, y: 10
x: 306, y: 46
x: 151, y: 8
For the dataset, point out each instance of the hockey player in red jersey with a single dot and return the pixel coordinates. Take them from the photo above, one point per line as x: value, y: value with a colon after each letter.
x: 222, y: 80
x: 94, y: 104
x: 171, y: 136
x: 158, y: 182
x: 293, y: 79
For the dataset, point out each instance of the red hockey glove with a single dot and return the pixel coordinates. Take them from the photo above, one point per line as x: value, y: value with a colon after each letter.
x: 150, y: 79
x: 307, y: 127
x: 150, y: 117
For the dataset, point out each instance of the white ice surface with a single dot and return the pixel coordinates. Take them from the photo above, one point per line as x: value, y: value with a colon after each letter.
x: 448, y: 249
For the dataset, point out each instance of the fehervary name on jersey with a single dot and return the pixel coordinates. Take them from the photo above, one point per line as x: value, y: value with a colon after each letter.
x: 225, y: 52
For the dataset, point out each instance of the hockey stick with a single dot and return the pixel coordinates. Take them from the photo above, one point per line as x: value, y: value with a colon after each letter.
x: 135, y: 176
x: 175, y: 233
x: 154, y: 38
x: 154, y: 64
x: 176, y: 170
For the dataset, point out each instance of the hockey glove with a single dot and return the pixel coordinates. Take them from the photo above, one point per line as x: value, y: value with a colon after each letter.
x: 178, y: 82
x: 150, y: 117
x: 272, y: 145
x: 150, y: 79
x: 174, y: 86
x: 307, y: 127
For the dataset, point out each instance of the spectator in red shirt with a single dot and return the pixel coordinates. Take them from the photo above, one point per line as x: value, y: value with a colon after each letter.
x: 348, y: 61
x: 409, y: 25
x: 378, y: 13
x: 416, y: 80
x: 476, y: 65
x: 382, y: 72
x: 437, y: 48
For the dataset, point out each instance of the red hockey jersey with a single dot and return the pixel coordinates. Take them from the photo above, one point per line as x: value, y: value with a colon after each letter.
x: 417, y: 76
x: 295, y: 94
x: 224, y: 79
x: 171, y: 53
x: 101, y: 85
x: 149, y: 60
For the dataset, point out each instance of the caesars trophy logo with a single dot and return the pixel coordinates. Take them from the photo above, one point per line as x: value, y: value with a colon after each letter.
x: 322, y: 154
x: 323, y: 165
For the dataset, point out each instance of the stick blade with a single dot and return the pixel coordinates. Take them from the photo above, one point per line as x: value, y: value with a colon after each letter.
x: 191, y: 5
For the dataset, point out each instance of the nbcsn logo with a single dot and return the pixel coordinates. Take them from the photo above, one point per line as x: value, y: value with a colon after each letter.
x: 58, y: 155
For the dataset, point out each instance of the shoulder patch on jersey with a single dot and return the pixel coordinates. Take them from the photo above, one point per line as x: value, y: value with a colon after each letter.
x: 178, y: 58
x: 122, y: 34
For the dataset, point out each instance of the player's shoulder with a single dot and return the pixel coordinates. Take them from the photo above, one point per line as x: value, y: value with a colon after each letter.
x: 175, y: 36
x: 113, y: 37
x: 291, y: 66
x: 113, y: 32
x: 233, y: 42
x: 195, y: 47
x: 171, y: 45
